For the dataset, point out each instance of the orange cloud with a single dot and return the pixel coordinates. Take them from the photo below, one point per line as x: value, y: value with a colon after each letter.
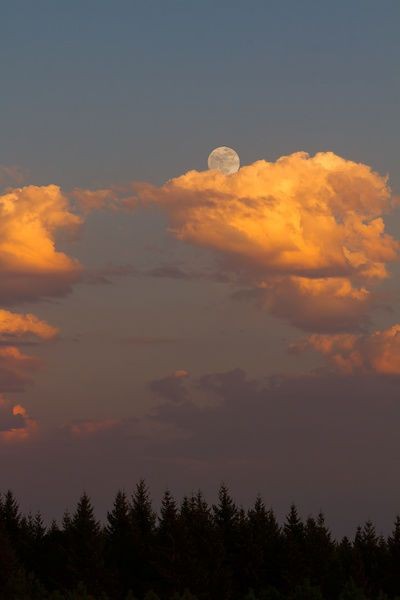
x: 31, y: 267
x: 15, y: 423
x: 306, y: 227
x: 17, y: 325
x: 15, y: 369
x: 180, y: 374
x: 378, y: 352
x: 88, y: 200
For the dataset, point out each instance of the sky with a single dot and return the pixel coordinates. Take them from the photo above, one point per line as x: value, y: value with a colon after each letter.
x: 164, y: 321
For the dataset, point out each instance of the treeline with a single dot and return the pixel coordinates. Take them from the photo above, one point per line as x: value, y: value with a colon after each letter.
x: 190, y: 551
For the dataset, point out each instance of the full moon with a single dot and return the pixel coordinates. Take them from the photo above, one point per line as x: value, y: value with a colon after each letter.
x: 224, y: 159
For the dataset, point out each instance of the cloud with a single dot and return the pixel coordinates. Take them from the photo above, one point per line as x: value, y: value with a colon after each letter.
x: 15, y: 423
x: 88, y: 200
x: 377, y: 352
x: 172, y: 387
x: 14, y: 325
x: 8, y: 418
x: 291, y: 426
x: 307, y: 232
x: 31, y: 267
x: 16, y: 369
x: 82, y: 428
x: 322, y: 304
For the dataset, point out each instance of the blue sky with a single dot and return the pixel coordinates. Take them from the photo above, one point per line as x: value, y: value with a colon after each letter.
x: 94, y: 92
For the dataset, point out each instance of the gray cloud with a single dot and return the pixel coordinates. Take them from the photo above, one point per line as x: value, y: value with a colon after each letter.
x: 8, y: 420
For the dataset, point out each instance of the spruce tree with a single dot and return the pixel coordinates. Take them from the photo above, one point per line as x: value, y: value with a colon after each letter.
x: 369, y: 552
x: 84, y: 547
x: 143, y: 521
x: 392, y: 577
x: 320, y: 554
x: 142, y: 515
x: 200, y: 551
x: 53, y: 571
x: 119, y: 545
x: 294, y: 557
x: 32, y: 545
x: 226, y: 519
x: 9, y: 565
x: 168, y: 537
x: 225, y: 512
x: 263, y: 541
x: 10, y: 516
x: 168, y: 517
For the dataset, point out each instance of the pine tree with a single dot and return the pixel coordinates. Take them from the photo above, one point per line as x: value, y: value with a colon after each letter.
x: 320, y: 554
x: 119, y: 544
x: 84, y: 546
x: 10, y: 517
x: 9, y: 565
x: 369, y: 551
x: 169, y: 516
x: 32, y: 544
x: 118, y: 519
x: 200, y: 553
x: 39, y: 529
x: 294, y: 540
x: 66, y: 520
x: 262, y: 558
x: 53, y: 569
x: 143, y: 521
x: 226, y: 519
x: 168, y: 534
x: 142, y: 514
x: 393, y: 560
x: 225, y: 512
x: 294, y: 527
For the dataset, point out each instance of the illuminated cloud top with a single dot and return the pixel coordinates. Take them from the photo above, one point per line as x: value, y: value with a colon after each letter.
x: 306, y: 232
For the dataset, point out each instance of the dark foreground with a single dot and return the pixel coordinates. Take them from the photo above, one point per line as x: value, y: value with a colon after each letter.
x: 191, y: 551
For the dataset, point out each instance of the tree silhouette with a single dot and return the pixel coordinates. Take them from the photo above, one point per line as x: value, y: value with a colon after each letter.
x: 84, y: 545
x: 263, y: 545
x: 295, y: 565
x: 143, y: 521
x: 168, y: 535
x: 193, y: 552
x: 119, y: 547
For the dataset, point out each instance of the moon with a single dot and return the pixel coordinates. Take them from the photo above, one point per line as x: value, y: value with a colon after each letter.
x: 224, y: 159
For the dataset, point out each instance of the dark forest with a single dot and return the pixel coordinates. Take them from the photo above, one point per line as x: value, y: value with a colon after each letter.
x: 190, y: 551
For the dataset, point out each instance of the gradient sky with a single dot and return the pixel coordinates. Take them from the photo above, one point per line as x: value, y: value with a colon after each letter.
x: 96, y: 95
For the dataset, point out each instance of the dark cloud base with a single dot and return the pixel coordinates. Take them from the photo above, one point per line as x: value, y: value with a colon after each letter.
x: 323, y: 441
